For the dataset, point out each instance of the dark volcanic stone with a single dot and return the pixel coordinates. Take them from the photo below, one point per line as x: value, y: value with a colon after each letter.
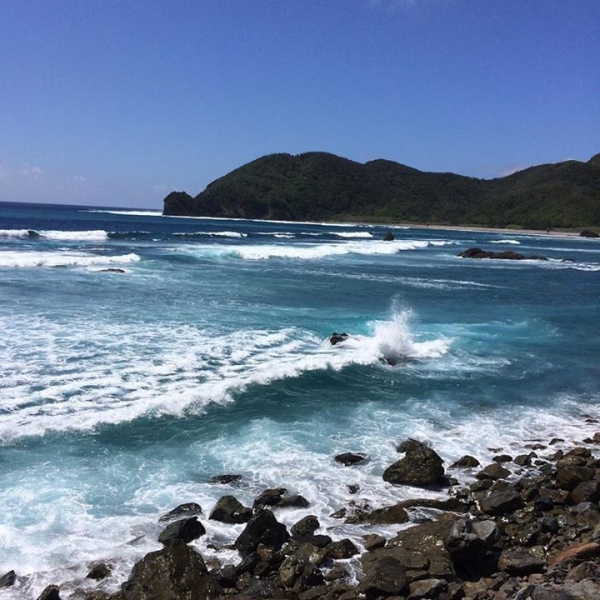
x: 50, y: 593
x: 229, y: 509
x: 385, y: 578
x: 270, y: 497
x: 293, y: 501
x: 8, y: 579
x: 100, y: 571
x: 305, y: 527
x: 336, y: 338
x: 501, y: 502
x: 466, y: 462
x: 427, y: 588
x: 421, y: 466
x: 185, y: 530
x: 568, y: 478
x: 189, y: 509
x: 225, y: 479
x: 389, y: 237
x: 352, y: 458
x: 263, y: 528
x: 468, y: 541
x: 493, y: 471
x: 172, y: 573
x: 588, y: 233
x: 586, y: 491
x: 520, y: 562
x: 374, y: 541
x: 341, y: 549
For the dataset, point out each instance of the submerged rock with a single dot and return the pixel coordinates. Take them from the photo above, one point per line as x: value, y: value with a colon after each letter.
x: 503, y: 255
x: 185, y: 530
x: 225, y: 479
x: 337, y: 338
x: 352, y: 458
x: 99, y: 571
x: 8, y: 579
x: 388, y: 237
x: 50, y: 593
x: 189, y: 509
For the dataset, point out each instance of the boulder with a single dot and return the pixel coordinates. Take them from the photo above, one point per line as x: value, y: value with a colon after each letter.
x: 426, y: 588
x: 176, y: 571
x: 280, y: 498
x: 501, y: 502
x: 341, y: 549
x: 305, y: 527
x: 352, y: 458
x: 112, y: 270
x: 386, y: 516
x: 569, y: 477
x: 99, y: 571
x: 385, y: 578
x: 189, y: 509
x: 300, y: 569
x: 185, y: 530
x: 389, y: 237
x: 466, y: 462
x: 293, y: 501
x: 588, y: 233
x: 50, y: 593
x: 520, y: 562
x: 468, y: 541
x: 579, y: 551
x: 493, y: 471
x: 420, y: 466
x: 337, y: 338
x: 503, y: 255
x: 262, y: 528
x: 8, y: 579
x: 225, y: 479
x: 229, y: 509
x: 373, y: 541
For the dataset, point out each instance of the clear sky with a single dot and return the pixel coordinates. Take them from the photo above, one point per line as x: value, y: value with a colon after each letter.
x: 117, y: 102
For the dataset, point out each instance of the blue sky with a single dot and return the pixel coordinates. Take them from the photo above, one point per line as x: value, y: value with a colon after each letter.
x: 117, y: 102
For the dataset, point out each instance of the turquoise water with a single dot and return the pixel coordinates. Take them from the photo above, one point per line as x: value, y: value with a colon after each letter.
x: 121, y: 394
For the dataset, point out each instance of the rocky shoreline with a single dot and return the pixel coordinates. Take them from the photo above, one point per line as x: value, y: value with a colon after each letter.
x: 526, y: 527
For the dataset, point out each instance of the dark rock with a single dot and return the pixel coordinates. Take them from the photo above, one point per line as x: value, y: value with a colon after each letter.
x: 300, y: 569
x: 270, y: 497
x: 112, y: 270
x: 585, y: 570
x: 293, y: 501
x: 586, y: 491
x: 352, y: 458
x: 568, y: 478
x: 341, y: 549
x: 468, y: 541
x: 50, y: 593
x: 373, y: 541
x: 185, y: 530
x: 263, y: 528
x: 502, y: 458
x: 387, y: 515
x: 588, y: 233
x: 172, y: 573
x: 466, y: 462
x: 305, y: 527
x: 230, y: 510
x: 503, y: 255
x: 426, y: 588
x: 501, y: 502
x: 100, y: 571
x: 226, y: 576
x: 578, y: 551
x: 225, y: 479
x: 336, y: 338
x: 493, y: 471
x: 385, y: 578
x: 319, y: 541
x: 8, y: 579
x: 189, y: 509
x: 550, y: 524
x: 520, y: 562
x: 353, y: 488
x: 420, y: 466
x: 389, y: 237
x: 525, y: 460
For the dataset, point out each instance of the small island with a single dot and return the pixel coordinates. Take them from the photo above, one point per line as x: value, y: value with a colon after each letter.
x: 318, y: 186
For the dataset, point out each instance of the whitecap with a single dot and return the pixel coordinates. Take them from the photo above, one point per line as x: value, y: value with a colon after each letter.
x: 514, y: 242
x: 31, y: 259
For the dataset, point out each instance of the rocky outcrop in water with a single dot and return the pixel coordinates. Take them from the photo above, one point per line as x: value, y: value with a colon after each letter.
x: 420, y: 466
x: 503, y: 255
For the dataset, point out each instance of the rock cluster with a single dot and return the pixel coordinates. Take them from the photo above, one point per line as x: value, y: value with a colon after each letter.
x: 503, y: 255
x: 526, y: 528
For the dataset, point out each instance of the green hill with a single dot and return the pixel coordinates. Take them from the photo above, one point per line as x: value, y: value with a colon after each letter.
x: 318, y: 186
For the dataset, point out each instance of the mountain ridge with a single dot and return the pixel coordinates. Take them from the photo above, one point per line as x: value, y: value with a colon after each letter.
x: 320, y: 186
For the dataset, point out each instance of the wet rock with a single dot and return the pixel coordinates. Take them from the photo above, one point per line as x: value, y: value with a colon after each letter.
x: 588, y: 233
x: 520, y: 562
x: 353, y: 488
x: 337, y: 338
x: 185, y: 530
x: 585, y: 570
x: 300, y: 569
x: 420, y: 466
x: 389, y: 237
x: 525, y: 460
x: 189, y: 509
x: 586, y: 491
x: 278, y: 497
x: 373, y: 541
x: 225, y: 479
x: 503, y: 255
x: 385, y: 578
x: 263, y: 528
x: 466, y: 462
x: 501, y: 502
x: 112, y: 270
x: 293, y: 501
x: 99, y: 571
x: 341, y: 549
x: 305, y: 527
x: 493, y: 471
x: 8, y: 579
x: 352, y: 458
x: 174, y: 572
x: 50, y: 593
x: 387, y: 515
x: 568, y: 478
x: 230, y: 510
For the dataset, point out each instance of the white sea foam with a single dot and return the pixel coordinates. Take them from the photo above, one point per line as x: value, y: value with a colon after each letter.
x: 97, y: 235
x: 31, y: 259
x: 514, y: 242
x: 353, y: 234
x: 229, y: 234
x: 135, y: 213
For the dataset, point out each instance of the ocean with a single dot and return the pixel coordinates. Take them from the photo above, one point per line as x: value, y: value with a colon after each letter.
x: 123, y: 393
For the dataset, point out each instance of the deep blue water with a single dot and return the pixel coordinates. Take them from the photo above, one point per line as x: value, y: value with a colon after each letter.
x: 122, y: 393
